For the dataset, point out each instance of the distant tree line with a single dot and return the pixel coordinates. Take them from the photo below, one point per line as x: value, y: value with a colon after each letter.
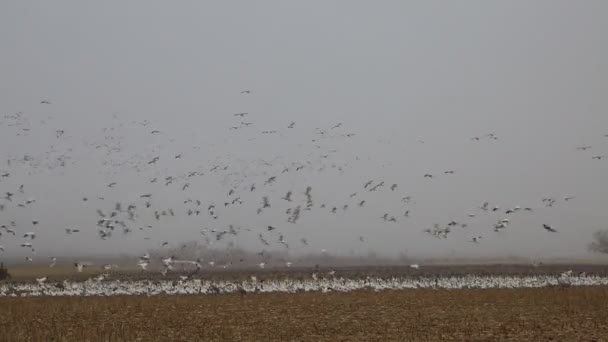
x: 600, y: 242
x: 3, y: 272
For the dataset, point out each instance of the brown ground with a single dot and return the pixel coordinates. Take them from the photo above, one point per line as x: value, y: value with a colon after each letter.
x: 557, y: 314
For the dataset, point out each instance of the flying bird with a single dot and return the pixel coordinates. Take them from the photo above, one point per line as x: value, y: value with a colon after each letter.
x: 265, y: 203
x: 549, y: 228
x: 287, y: 196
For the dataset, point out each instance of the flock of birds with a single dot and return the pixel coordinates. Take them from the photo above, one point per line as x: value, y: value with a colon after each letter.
x: 317, y: 283
x: 246, y: 185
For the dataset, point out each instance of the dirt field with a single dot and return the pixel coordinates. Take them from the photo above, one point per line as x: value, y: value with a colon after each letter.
x: 558, y: 314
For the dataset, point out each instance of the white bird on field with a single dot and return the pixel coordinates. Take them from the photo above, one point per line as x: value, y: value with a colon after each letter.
x: 109, y: 267
x: 168, y: 262
x: 81, y: 265
x: 196, y: 263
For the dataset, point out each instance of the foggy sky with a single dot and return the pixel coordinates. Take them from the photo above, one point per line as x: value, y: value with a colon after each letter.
x: 413, y: 80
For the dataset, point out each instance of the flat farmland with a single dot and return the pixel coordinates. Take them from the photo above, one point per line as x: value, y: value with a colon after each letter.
x: 548, y: 314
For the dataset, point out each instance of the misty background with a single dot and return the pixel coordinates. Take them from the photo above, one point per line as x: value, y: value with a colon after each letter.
x: 411, y: 82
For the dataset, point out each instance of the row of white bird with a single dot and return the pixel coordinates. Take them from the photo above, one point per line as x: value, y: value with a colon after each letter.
x: 329, y: 282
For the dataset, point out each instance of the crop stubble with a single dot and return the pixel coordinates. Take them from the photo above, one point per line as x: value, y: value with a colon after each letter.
x: 559, y: 314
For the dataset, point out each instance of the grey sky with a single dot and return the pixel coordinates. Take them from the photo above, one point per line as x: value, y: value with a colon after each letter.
x: 393, y: 72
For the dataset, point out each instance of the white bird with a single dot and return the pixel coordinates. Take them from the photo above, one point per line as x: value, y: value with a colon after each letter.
x: 288, y: 264
x: 41, y: 280
x: 53, y: 262
x: 81, y: 265
x: 26, y: 244
x: 168, y: 262
x: 415, y: 266
x: 196, y: 263
x: 262, y: 264
x: 30, y: 235
x: 143, y: 264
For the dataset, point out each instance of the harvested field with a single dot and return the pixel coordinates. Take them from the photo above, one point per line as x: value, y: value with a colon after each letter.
x: 559, y: 314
